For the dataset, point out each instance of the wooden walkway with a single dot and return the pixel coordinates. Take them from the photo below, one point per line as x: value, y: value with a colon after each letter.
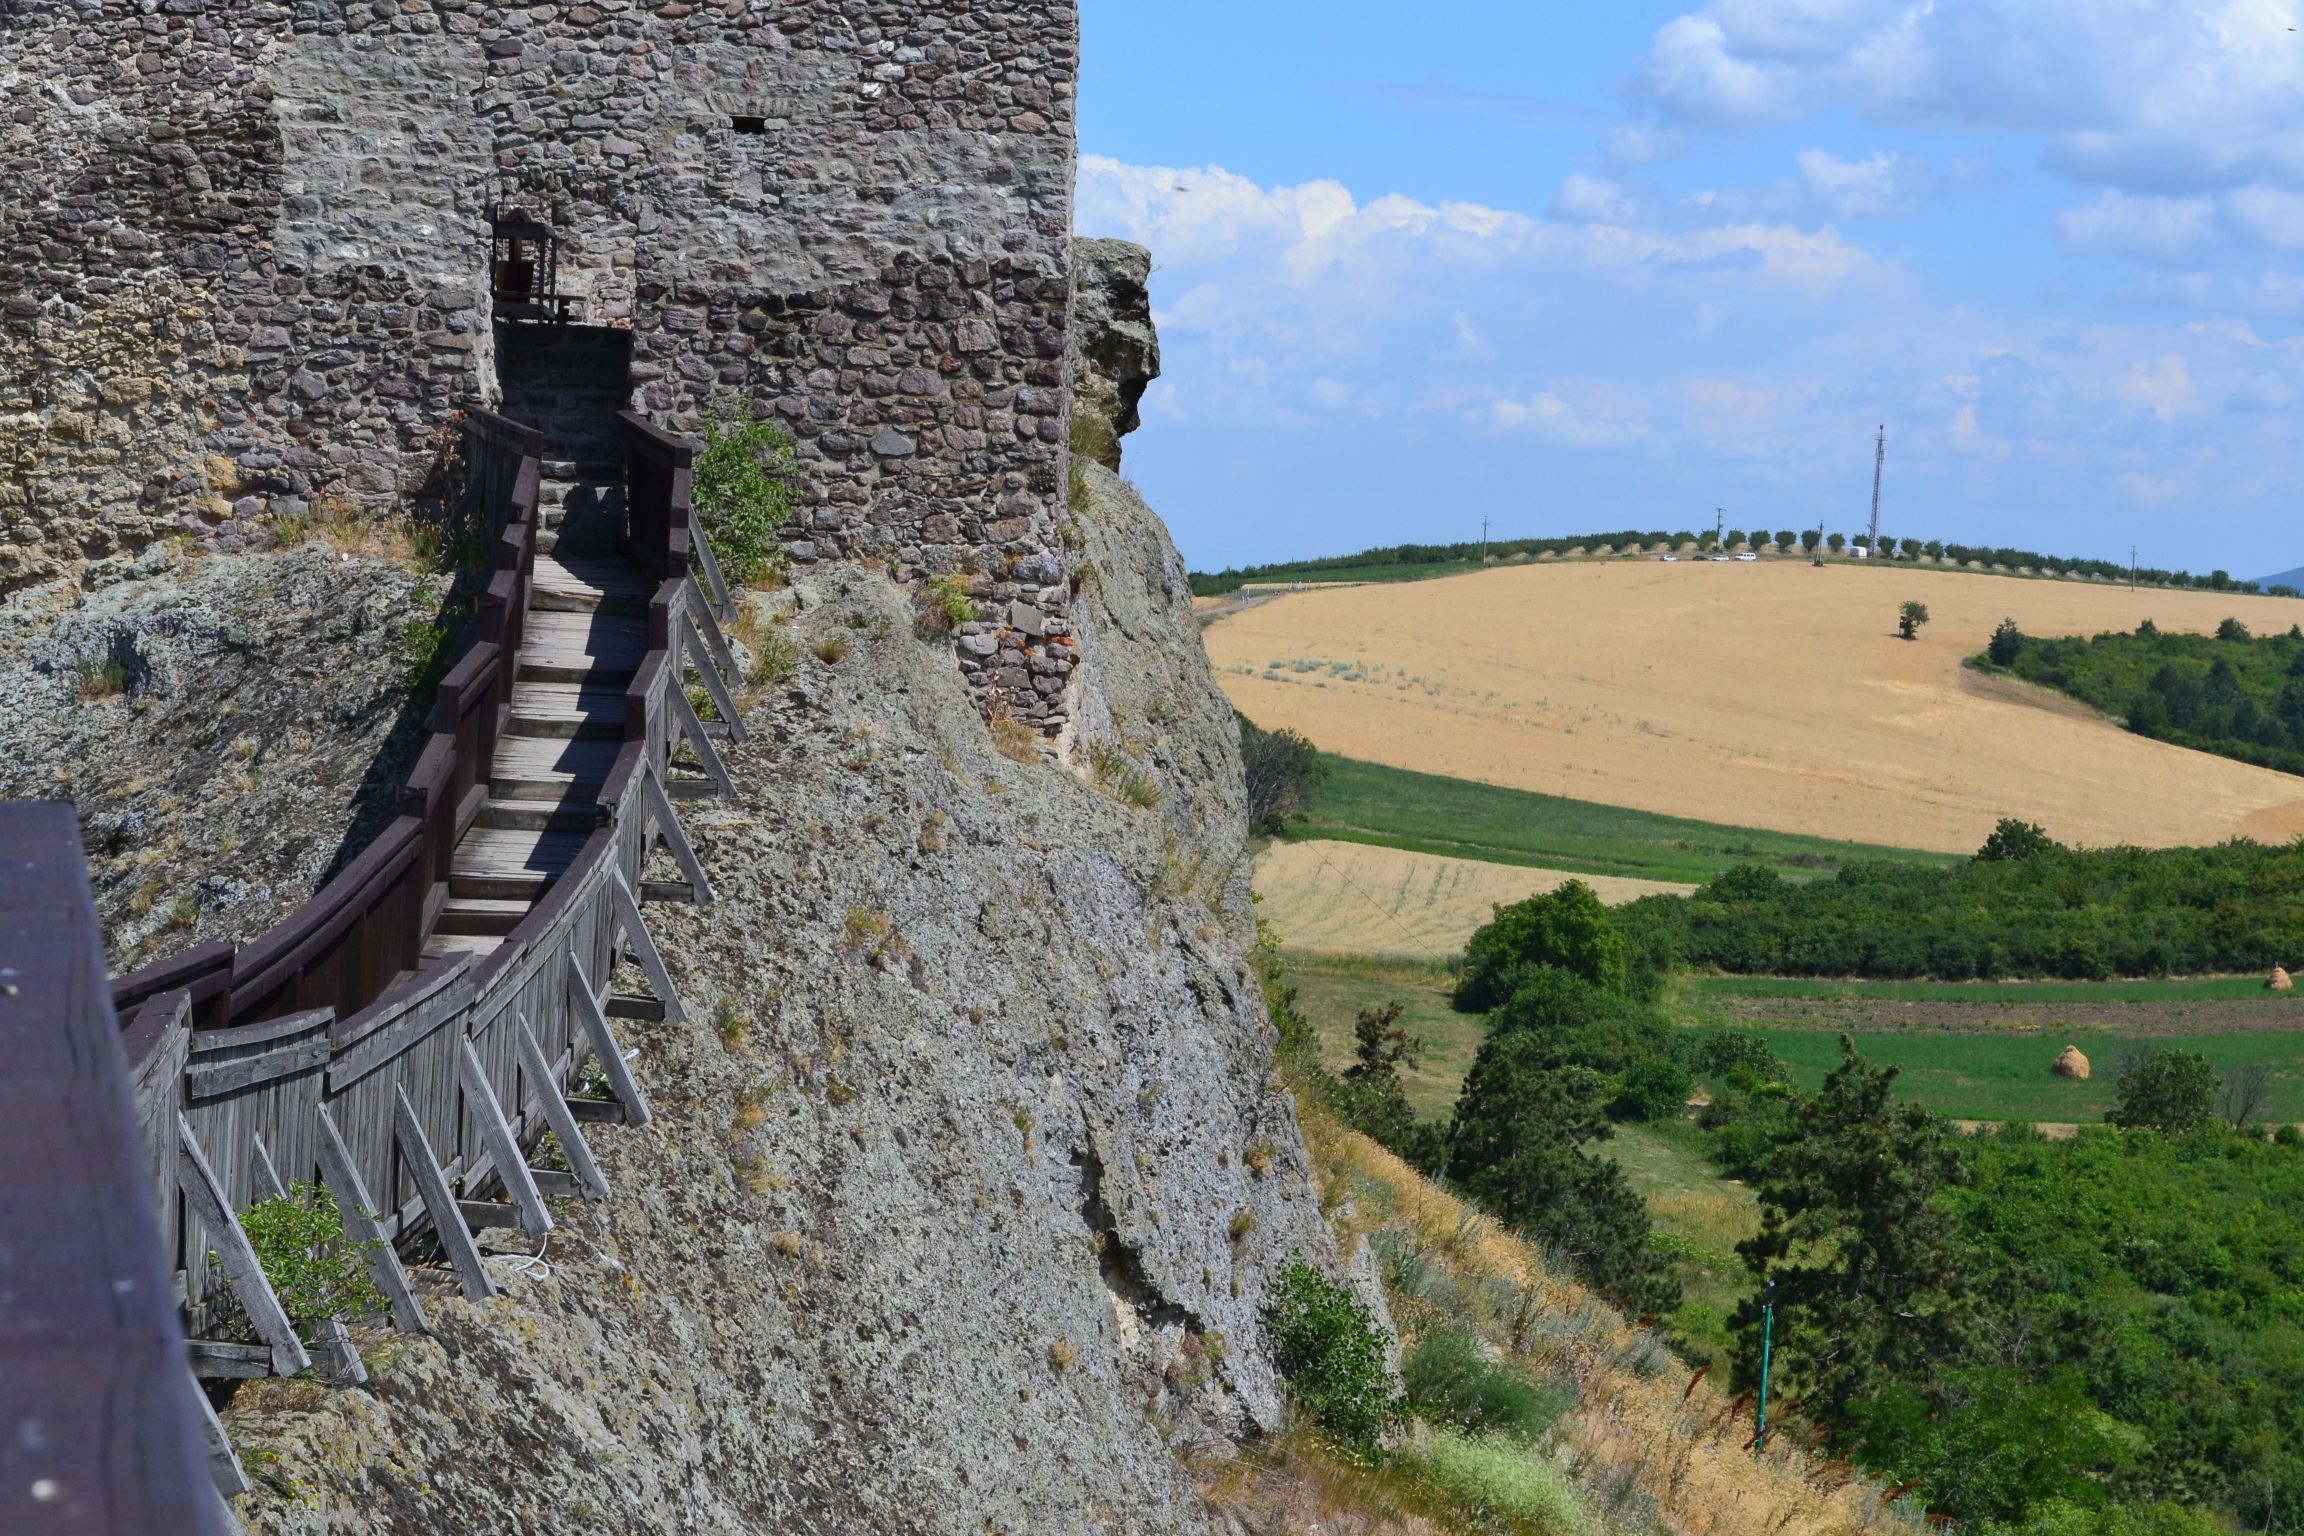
x: 586, y: 635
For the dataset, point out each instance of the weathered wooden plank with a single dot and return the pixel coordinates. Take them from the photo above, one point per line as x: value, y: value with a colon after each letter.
x: 489, y: 1213
x: 714, y: 670
x: 654, y: 802
x: 224, y: 1471
x: 439, y: 1203
x: 281, y: 1028
x: 249, y: 1284
x: 214, y: 1359
x: 627, y: 907
x: 598, y: 1112
x: 591, y: 1183
x: 503, y: 1146
x: 207, y: 1079
x: 630, y: 1005
x: 716, y: 583
x: 603, y: 1042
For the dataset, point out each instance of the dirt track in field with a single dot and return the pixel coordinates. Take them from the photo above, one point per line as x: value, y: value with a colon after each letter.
x: 1771, y: 694
x: 2154, y: 1018
x: 1351, y: 898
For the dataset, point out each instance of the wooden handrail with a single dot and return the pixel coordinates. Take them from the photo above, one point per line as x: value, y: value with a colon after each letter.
x: 99, y: 1416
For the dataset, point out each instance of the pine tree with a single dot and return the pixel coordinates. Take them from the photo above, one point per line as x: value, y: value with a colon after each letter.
x: 1873, y: 1285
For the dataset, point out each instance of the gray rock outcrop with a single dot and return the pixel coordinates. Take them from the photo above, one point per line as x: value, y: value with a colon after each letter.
x: 231, y: 728
x: 1116, y: 350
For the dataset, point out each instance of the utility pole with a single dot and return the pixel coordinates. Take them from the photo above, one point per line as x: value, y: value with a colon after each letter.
x: 1879, y: 462
x: 1483, y: 541
x: 1719, y: 523
x: 2131, y: 567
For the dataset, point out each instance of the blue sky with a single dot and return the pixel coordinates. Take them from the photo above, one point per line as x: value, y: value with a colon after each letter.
x: 1584, y: 268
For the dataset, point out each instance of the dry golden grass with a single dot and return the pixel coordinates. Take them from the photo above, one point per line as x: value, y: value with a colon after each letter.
x: 1771, y: 695
x: 1684, y: 1445
x: 1352, y: 898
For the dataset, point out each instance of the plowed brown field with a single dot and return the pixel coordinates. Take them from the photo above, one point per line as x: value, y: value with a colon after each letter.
x: 1771, y: 694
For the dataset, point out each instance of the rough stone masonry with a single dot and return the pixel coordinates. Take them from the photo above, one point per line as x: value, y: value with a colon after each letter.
x: 246, y: 267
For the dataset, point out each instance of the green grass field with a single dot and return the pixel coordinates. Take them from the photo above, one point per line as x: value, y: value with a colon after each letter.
x: 2005, y: 1077
x: 1428, y: 813
x: 1332, y: 993
x: 1702, y: 994
x: 1699, y: 1215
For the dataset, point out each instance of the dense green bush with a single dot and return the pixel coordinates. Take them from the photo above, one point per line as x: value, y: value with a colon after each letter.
x: 1653, y: 1088
x: 315, y: 1270
x: 1567, y: 928
x: 741, y: 488
x: 1451, y: 1379
x: 1282, y: 769
x: 2172, y: 1092
x: 1331, y: 1353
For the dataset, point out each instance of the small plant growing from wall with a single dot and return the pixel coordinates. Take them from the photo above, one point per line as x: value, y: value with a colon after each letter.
x: 945, y: 604
x: 316, y: 1271
x: 741, y: 485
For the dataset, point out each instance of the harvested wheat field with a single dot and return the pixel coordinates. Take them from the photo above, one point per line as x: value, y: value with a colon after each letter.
x: 1352, y: 898
x: 1772, y: 694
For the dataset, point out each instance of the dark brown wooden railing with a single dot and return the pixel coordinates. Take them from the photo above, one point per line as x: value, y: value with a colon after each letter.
x: 366, y: 928
x: 326, y: 1051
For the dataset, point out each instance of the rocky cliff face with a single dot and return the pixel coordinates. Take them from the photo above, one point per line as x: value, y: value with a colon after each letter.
x: 968, y: 1175
x: 1116, y: 350
x: 231, y: 728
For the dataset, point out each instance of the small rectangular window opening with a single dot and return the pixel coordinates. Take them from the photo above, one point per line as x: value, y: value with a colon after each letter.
x: 751, y: 125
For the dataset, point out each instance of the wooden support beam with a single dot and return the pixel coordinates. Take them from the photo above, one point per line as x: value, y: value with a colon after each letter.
x: 207, y: 1201
x: 439, y: 1201
x: 668, y: 890
x: 612, y: 1063
x: 591, y: 1183
x: 358, y: 1214
x: 684, y: 716
x: 643, y: 947
x: 655, y: 802
x: 714, y: 581
x: 631, y: 1005
x: 268, y: 1185
x: 720, y: 666
x: 554, y: 1182
x: 503, y: 1146
x: 223, y: 1461
x: 340, y: 1362
x: 597, y: 1111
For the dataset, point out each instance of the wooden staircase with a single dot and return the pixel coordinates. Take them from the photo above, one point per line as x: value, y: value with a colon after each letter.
x: 586, y: 635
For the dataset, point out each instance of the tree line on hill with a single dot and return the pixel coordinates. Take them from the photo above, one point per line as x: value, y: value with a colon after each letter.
x: 2097, y: 1335
x: 2025, y: 906
x: 1465, y: 552
x: 2229, y: 693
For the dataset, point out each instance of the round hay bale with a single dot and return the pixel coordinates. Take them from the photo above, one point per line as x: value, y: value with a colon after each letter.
x: 2070, y: 1063
x: 2278, y: 981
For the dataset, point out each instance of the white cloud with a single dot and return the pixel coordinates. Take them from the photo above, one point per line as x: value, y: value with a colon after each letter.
x: 2161, y: 229
x: 2162, y: 385
x: 2153, y: 96
x: 1546, y: 415
x: 1586, y: 199
x: 1969, y: 438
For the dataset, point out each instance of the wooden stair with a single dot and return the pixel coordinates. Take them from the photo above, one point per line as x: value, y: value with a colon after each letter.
x: 586, y: 634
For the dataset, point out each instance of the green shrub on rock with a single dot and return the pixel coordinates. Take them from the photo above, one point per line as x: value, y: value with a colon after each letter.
x: 1331, y: 1353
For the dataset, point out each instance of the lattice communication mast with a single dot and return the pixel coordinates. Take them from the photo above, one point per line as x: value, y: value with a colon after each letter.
x: 1879, y: 462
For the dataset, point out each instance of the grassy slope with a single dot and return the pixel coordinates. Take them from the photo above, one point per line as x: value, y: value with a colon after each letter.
x: 1428, y: 813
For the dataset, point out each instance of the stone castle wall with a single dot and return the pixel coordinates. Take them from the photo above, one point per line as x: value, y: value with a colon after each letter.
x: 252, y: 273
